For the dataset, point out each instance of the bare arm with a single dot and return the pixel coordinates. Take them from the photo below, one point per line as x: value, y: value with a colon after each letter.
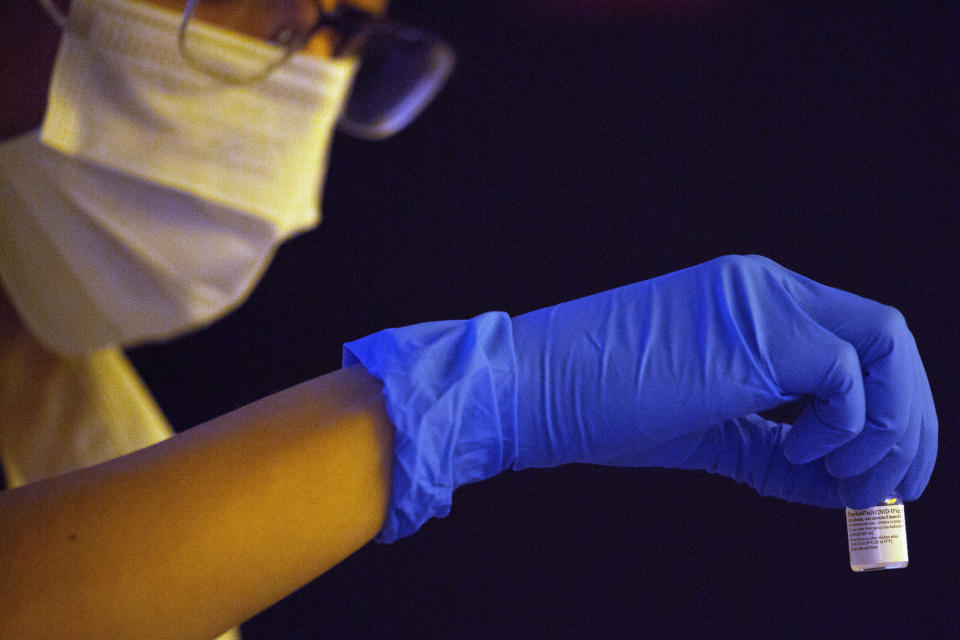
x: 200, y: 532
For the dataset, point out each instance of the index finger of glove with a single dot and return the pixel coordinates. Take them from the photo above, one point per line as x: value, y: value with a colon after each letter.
x: 891, y: 370
x: 888, y: 359
x: 828, y: 370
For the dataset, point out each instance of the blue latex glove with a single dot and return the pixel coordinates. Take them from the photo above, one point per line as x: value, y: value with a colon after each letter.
x: 668, y: 372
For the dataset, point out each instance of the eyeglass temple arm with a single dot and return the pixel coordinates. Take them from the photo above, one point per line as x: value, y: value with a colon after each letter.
x: 54, y: 12
x: 347, y: 22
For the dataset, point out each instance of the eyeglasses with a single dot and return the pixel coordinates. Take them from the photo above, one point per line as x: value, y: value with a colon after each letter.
x: 401, y: 69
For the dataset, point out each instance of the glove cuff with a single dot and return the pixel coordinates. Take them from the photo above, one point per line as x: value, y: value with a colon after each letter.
x: 450, y: 391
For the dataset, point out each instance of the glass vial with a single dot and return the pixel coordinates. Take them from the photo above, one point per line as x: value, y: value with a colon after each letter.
x: 877, y: 536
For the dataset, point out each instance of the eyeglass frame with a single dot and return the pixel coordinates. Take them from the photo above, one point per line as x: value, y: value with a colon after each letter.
x: 351, y: 24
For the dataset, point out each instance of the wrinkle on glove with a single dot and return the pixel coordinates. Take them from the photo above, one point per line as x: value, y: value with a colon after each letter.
x: 450, y: 392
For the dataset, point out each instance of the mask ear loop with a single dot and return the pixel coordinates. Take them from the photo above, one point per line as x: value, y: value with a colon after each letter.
x: 54, y: 12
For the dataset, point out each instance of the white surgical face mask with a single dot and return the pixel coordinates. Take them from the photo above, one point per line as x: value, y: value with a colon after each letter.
x: 168, y: 191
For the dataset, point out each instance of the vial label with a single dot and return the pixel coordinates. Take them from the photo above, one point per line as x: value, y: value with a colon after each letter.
x: 877, y: 537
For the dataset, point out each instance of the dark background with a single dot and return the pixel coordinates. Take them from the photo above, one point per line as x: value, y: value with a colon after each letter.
x: 577, y: 150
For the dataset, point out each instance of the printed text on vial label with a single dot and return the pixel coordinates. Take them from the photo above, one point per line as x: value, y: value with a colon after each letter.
x: 869, y: 530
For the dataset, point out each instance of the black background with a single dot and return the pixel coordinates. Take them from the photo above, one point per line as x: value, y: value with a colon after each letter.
x: 575, y: 152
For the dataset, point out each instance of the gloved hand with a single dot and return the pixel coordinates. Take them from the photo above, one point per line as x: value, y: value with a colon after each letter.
x: 668, y: 372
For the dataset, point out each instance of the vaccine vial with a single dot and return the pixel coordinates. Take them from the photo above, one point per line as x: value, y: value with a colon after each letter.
x: 877, y: 536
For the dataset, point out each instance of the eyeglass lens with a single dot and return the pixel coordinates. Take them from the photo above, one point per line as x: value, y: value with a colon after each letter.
x: 400, y: 73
